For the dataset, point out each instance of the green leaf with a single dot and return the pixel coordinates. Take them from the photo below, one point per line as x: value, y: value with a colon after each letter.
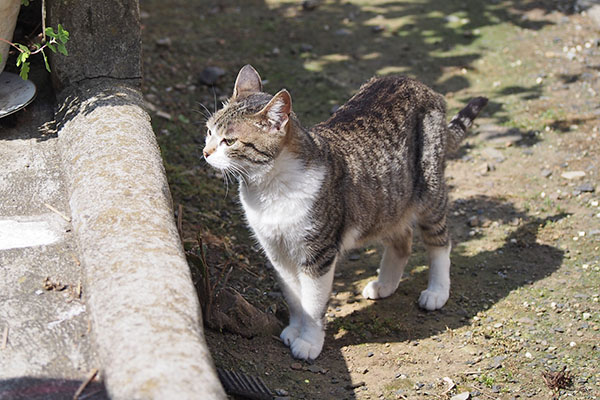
x: 51, y: 46
x: 22, y: 57
x: 24, y: 74
x: 63, y: 34
x: 24, y: 49
x: 50, y: 32
x: 62, y: 49
x: 25, y: 2
x: 46, y: 61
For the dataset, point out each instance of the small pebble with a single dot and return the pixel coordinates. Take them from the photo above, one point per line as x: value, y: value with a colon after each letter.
x: 164, y: 42
x: 461, y: 396
x: 296, y: 366
x: 586, y: 187
x: 573, y: 175
x: 309, y: 5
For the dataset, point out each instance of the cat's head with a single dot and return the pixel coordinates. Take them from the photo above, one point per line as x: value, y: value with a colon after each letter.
x: 249, y: 132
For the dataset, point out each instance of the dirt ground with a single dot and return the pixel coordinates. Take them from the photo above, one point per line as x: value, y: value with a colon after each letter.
x: 525, y: 215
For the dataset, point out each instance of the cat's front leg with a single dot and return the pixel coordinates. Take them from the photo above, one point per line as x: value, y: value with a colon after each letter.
x: 290, y: 285
x: 315, y: 292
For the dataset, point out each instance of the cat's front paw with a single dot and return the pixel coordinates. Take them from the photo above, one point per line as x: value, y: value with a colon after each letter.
x: 433, y: 299
x: 377, y: 290
x: 308, y: 346
x: 289, y: 334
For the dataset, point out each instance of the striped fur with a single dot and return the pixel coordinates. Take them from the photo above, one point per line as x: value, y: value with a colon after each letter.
x: 370, y: 172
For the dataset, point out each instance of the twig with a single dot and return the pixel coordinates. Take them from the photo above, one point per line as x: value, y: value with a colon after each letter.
x: 206, y: 284
x: 58, y: 212
x: 226, y: 278
x: 82, y: 387
x: 75, y: 259
x: 44, y: 20
x: 4, y: 338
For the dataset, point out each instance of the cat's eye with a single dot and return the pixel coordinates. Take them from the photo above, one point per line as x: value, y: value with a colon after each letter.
x: 229, y: 141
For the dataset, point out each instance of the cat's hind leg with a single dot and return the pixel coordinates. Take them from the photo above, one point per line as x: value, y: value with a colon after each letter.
x: 391, y: 268
x: 435, y: 235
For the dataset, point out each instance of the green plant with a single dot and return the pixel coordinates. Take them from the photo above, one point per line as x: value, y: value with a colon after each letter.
x: 55, y: 41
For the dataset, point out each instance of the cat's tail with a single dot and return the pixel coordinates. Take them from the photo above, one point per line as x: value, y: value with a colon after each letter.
x: 457, y: 128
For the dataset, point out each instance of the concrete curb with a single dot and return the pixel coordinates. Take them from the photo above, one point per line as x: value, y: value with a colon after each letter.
x: 145, y: 314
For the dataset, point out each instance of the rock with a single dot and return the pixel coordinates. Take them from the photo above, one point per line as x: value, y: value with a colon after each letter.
x: 586, y: 187
x: 546, y: 173
x: 296, y: 366
x: 310, y: 5
x: 164, y: 42
x: 377, y: 28
x: 473, y: 221
x: 461, y: 396
x: 573, y: 174
x: 343, y: 32
x: 586, y: 316
x: 370, y: 354
x: 494, y: 154
x: 315, y: 369
x: 496, y: 362
x: 231, y: 312
x: 164, y: 115
x: 594, y: 14
x: 281, y: 392
x: 210, y: 75
x: 353, y: 386
x: 305, y: 47
x: 485, y: 168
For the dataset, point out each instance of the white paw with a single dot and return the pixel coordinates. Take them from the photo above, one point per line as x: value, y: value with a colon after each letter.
x: 308, y: 346
x: 289, y: 334
x: 377, y: 290
x: 431, y: 299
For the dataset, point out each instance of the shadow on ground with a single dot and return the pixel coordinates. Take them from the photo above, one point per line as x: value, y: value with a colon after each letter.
x: 29, y: 388
x: 478, y: 280
x: 322, y: 56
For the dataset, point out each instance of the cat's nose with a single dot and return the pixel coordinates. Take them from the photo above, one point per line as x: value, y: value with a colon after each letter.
x: 207, y: 152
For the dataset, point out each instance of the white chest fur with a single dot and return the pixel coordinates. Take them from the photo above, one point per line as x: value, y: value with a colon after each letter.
x: 278, y: 207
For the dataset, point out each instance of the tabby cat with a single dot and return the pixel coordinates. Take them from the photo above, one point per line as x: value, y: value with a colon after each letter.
x: 374, y: 170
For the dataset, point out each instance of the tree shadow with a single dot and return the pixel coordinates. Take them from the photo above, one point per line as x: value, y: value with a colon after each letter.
x: 478, y: 280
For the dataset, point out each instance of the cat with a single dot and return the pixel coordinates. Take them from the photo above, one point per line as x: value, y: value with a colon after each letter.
x: 372, y: 171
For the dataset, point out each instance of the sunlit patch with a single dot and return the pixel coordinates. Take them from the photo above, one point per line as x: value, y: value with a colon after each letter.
x: 20, y: 232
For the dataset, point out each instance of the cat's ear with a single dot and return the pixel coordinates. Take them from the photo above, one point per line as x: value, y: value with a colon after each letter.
x: 248, y: 81
x: 277, y: 112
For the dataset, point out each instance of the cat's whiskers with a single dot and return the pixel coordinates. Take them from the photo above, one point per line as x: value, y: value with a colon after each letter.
x: 208, y: 113
x: 241, y: 172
